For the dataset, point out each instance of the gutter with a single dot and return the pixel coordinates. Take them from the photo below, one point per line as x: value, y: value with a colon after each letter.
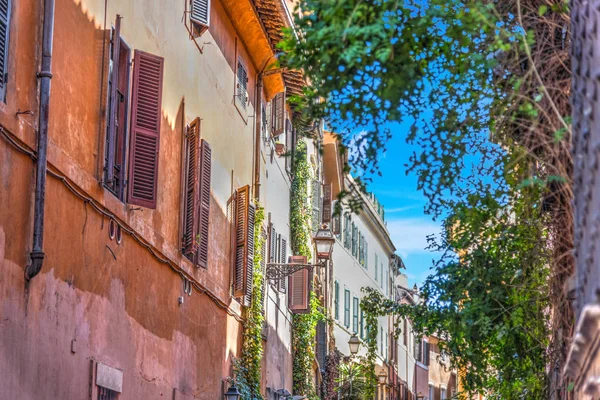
x: 37, y: 253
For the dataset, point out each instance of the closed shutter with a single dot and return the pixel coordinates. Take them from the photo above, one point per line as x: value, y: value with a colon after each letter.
x: 204, y: 206
x: 405, y: 338
x: 346, y: 308
x: 354, y: 240
x: 361, y: 248
x: 362, y: 324
x: 5, y: 6
x: 190, y: 227
x: 244, y: 254
x: 366, y: 253
x: 316, y: 205
x: 200, y: 15
x: 282, y: 260
x: 278, y: 114
x: 426, y: 353
x: 242, y: 85
x: 355, y: 315
x: 299, y: 287
x: 326, y: 218
x: 145, y: 123
x: 321, y: 344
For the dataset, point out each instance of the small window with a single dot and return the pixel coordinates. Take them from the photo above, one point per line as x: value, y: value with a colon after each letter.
x: 106, y: 394
x: 199, y: 16
x: 430, y: 392
x: 355, y: 315
x: 242, y: 85
x: 336, y: 301
x: 346, y: 308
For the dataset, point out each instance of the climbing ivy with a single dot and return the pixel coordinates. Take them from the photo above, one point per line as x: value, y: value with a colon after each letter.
x: 303, y: 325
x: 248, y: 368
x: 371, y: 312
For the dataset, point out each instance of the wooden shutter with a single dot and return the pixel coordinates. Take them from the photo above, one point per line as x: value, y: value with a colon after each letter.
x: 321, y: 344
x: 200, y: 15
x: 273, y: 246
x: 299, y: 287
x: 242, y: 84
x: 316, y: 205
x: 278, y: 114
x: 190, y: 226
x: 282, y: 259
x: 145, y: 123
x: 326, y: 217
x: 336, y: 301
x: 204, y: 202
x: 244, y: 255
x: 336, y: 221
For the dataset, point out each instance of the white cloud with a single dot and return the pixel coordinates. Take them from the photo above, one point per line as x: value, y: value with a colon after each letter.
x: 409, y: 235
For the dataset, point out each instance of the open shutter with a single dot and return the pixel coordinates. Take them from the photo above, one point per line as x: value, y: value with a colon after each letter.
x: 326, y: 218
x: 283, y: 259
x: 244, y: 255
x: 316, y: 205
x: 299, y: 287
x: 189, y: 243
x: 321, y: 344
x: 200, y: 15
x: 278, y: 114
x: 204, y: 202
x: 145, y: 132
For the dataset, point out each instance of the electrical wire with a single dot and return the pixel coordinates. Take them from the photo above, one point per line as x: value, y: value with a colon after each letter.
x: 55, y: 173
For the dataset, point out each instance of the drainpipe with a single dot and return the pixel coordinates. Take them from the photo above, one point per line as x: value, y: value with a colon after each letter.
x: 37, y: 253
x: 258, y: 122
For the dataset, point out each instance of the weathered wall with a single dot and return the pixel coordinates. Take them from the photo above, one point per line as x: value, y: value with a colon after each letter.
x: 117, y: 303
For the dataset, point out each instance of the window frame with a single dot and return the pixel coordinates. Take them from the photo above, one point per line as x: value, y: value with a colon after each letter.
x: 346, y: 308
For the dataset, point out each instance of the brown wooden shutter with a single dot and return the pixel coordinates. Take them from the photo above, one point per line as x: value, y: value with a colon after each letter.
x: 204, y: 202
x: 299, y: 287
x: 190, y: 226
x: 278, y: 114
x: 326, y: 218
x: 145, y: 132
x: 244, y: 258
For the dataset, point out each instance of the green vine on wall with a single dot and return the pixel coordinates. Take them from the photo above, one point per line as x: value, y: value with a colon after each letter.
x: 303, y: 325
x: 248, y: 368
x: 371, y: 312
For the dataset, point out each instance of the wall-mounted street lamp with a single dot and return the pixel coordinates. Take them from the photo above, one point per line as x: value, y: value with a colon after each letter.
x: 323, y: 242
x: 420, y: 396
x: 232, y: 393
x: 382, y: 377
x: 354, y: 344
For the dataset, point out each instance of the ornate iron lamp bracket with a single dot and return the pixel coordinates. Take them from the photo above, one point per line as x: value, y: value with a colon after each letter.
x: 276, y: 272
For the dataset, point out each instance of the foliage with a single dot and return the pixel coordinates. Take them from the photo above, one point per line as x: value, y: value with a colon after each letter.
x: 300, y: 209
x: 248, y: 368
x: 352, y: 382
x: 304, y: 326
x: 485, y: 86
x: 370, y: 306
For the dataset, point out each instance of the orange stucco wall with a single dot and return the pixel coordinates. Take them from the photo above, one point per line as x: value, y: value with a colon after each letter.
x: 95, y: 299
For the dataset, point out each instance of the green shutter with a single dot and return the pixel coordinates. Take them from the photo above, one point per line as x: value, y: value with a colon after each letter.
x: 355, y: 315
x: 347, y: 308
x: 337, y: 300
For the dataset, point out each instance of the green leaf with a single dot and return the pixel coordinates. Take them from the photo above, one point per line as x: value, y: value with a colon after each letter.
x: 543, y: 10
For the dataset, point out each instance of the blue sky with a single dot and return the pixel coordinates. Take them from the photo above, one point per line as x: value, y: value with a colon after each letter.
x: 408, y: 225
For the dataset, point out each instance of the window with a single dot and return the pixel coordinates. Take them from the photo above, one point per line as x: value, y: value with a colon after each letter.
x: 116, y: 118
x: 355, y: 315
x: 430, y: 392
x: 243, y: 232
x: 381, y: 340
x: 361, y: 249
x: 197, y: 197
x: 381, y: 273
x: 5, y: 6
x: 366, y: 254
x: 443, y: 393
x: 282, y: 259
x: 405, y: 338
x: 354, y: 240
x: 347, y: 231
x: 241, y: 92
x: 386, y: 347
x: 199, y: 16
x: 106, y: 394
x: 336, y: 301
x: 347, y: 308
x: 376, y: 269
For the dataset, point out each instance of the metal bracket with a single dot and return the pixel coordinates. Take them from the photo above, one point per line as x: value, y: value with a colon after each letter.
x: 276, y: 272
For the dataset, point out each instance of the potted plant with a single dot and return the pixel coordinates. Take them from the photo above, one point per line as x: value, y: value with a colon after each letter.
x: 279, y: 148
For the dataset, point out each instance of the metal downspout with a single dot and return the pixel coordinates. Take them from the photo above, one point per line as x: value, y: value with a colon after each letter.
x: 37, y: 253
